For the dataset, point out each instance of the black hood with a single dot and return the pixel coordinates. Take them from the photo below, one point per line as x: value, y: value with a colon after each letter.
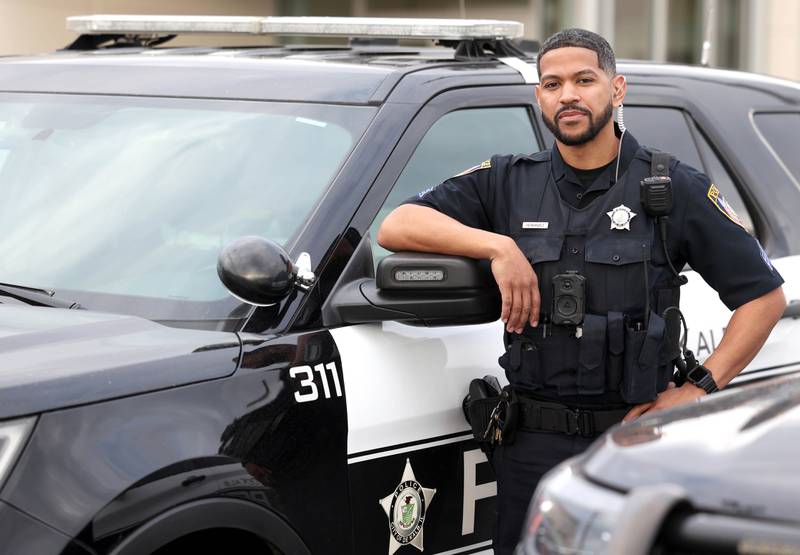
x: 734, y: 452
x: 54, y: 358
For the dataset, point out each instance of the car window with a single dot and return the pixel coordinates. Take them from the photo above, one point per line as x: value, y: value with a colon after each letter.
x: 547, y: 136
x: 668, y: 129
x: 457, y: 141
x: 715, y: 169
x: 782, y: 132
x: 150, y: 191
x: 665, y: 129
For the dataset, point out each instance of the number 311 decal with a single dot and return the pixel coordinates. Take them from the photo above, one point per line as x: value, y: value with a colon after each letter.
x: 308, y: 385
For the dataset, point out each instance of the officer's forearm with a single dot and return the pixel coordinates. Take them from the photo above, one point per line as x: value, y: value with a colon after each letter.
x: 421, y: 229
x: 747, y: 331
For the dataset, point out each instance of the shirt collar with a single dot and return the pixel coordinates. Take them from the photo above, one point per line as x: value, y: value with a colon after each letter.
x: 627, y: 152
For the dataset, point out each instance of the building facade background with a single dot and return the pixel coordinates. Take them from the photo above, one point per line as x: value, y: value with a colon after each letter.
x: 753, y: 35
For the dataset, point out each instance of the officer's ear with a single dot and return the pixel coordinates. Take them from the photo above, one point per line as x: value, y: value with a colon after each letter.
x: 620, y: 87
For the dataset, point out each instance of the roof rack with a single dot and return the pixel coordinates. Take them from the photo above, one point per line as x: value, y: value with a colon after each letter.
x: 360, y: 27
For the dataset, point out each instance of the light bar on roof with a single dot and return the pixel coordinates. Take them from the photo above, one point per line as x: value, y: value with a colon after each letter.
x: 376, y: 27
x: 388, y: 27
x: 162, y: 24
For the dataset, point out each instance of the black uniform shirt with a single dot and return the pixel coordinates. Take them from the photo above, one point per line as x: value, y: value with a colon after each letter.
x: 587, y: 178
x: 702, y: 230
x: 570, y: 185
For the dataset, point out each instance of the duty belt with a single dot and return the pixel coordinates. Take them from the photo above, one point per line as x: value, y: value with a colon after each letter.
x: 544, y: 416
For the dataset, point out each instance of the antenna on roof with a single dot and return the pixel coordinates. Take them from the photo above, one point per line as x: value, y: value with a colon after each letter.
x: 705, y: 55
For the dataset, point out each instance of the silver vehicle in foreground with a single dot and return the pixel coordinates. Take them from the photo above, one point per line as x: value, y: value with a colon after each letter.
x: 719, y: 476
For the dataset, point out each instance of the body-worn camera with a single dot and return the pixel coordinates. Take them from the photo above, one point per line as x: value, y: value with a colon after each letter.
x: 568, y: 299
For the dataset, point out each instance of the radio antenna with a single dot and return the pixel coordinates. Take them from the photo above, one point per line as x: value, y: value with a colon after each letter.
x: 705, y: 55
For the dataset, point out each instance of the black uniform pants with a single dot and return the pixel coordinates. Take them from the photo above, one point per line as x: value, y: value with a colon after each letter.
x: 518, y: 468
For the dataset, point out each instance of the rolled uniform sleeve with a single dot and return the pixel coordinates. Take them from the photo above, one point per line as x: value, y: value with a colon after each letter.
x: 727, y: 257
x: 470, y: 197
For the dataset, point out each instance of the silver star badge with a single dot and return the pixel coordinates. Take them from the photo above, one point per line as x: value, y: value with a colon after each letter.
x: 405, y: 507
x: 621, y: 217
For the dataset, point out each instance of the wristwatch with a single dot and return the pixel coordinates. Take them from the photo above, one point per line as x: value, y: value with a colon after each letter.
x: 702, y: 378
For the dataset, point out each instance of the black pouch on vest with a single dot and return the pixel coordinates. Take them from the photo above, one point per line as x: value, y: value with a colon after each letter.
x: 521, y: 363
x: 616, y: 350
x: 592, y: 356
x: 642, y: 361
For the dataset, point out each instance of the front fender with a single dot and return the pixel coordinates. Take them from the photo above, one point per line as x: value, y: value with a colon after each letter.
x: 212, y: 513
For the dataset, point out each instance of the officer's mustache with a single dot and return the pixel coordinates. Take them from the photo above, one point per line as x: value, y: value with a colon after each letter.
x: 573, y: 108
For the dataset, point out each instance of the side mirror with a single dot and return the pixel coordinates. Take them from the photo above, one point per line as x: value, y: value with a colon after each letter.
x: 259, y: 271
x: 416, y: 288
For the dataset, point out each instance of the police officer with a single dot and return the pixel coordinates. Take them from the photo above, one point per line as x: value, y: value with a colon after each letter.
x: 586, y: 270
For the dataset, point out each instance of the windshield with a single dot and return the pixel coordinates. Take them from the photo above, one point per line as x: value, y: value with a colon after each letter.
x: 123, y: 204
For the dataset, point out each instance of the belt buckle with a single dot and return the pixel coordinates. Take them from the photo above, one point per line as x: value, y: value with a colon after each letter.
x: 580, y: 422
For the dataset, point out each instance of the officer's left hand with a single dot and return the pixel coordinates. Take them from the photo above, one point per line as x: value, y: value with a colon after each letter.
x: 671, y: 397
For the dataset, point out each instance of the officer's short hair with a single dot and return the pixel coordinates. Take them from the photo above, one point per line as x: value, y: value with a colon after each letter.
x: 582, y: 39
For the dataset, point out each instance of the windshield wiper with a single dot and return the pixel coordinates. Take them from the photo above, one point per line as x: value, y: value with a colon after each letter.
x: 36, y: 297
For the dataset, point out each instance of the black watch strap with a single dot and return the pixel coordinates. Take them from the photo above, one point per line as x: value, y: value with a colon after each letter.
x: 702, y: 378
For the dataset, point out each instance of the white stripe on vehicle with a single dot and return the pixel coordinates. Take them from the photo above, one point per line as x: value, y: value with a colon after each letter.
x: 408, y: 449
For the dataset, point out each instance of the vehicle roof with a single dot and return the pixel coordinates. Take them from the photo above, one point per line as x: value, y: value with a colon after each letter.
x: 359, y: 74
x: 305, y: 74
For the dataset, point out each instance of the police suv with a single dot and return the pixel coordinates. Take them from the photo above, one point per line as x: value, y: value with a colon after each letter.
x: 312, y: 403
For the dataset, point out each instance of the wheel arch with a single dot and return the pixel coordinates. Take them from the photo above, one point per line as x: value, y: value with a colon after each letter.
x: 204, y: 514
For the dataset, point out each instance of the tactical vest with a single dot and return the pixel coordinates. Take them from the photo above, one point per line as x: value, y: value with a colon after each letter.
x: 615, y: 349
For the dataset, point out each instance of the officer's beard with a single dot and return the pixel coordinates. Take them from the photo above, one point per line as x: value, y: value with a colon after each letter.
x: 591, y: 132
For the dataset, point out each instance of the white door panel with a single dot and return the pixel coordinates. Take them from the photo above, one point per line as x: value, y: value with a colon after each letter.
x: 707, y: 318
x: 406, y: 383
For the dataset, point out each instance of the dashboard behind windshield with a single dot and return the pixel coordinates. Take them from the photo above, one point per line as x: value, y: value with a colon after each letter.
x: 124, y: 203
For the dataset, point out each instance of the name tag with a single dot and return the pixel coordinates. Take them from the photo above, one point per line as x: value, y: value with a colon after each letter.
x: 535, y: 225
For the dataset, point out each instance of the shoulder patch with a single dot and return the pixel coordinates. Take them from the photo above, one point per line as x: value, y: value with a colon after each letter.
x: 723, y: 205
x: 482, y: 166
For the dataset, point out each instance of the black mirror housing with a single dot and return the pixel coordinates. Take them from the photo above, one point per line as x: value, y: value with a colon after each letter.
x: 256, y: 270
x: 421, y: 289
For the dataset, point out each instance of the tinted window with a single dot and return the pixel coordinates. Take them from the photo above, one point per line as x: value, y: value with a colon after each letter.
x: 782, y: 132
x: 668, y: 129
x: 665, y: 129
x: 723, y: 180
x: 547, y: 136
x: 459, y: 140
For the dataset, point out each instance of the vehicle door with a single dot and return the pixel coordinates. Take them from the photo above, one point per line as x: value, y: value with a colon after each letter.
x: 405, y: 383
x: 674, y: 130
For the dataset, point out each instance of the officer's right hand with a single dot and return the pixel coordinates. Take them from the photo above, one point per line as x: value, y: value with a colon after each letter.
x: 519, y: 288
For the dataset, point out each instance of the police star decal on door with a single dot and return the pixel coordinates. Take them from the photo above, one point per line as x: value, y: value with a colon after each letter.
x: 405, y: 507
